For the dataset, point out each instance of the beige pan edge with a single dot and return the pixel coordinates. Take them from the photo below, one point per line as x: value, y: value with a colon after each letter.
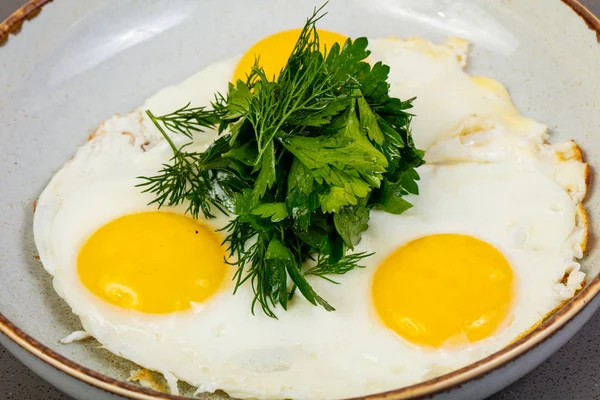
x: 12, y: 25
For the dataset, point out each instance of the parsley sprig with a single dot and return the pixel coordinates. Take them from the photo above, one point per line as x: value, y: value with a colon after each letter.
x: 299, y: 162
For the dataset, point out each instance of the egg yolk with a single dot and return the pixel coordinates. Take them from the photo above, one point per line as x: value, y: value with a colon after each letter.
x: 275, y: 50
x: 153, y: 262
x: 444, y: 289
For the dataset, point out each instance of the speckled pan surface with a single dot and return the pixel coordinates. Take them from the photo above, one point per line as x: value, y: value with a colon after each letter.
x: 78, y: 62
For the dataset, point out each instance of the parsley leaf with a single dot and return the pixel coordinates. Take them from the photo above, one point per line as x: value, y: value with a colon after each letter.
x: 276, y: 211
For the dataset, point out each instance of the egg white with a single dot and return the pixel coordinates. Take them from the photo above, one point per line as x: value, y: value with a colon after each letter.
x: 490, y: 174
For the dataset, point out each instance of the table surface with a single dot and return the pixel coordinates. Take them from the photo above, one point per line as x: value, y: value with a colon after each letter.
x: 565, y: 375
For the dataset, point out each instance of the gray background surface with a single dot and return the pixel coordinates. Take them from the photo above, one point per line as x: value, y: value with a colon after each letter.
x: 572, y: 373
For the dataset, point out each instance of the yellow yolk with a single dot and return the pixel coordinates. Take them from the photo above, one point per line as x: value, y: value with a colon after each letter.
x: 444, y: 289
x: 153, y: 262
x: 275, y: 50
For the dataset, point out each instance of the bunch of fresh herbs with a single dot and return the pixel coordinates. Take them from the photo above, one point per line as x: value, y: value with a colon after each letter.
x: 299, y: 162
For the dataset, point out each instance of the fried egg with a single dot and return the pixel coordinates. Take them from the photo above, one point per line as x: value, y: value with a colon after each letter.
x: 489, y: 248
